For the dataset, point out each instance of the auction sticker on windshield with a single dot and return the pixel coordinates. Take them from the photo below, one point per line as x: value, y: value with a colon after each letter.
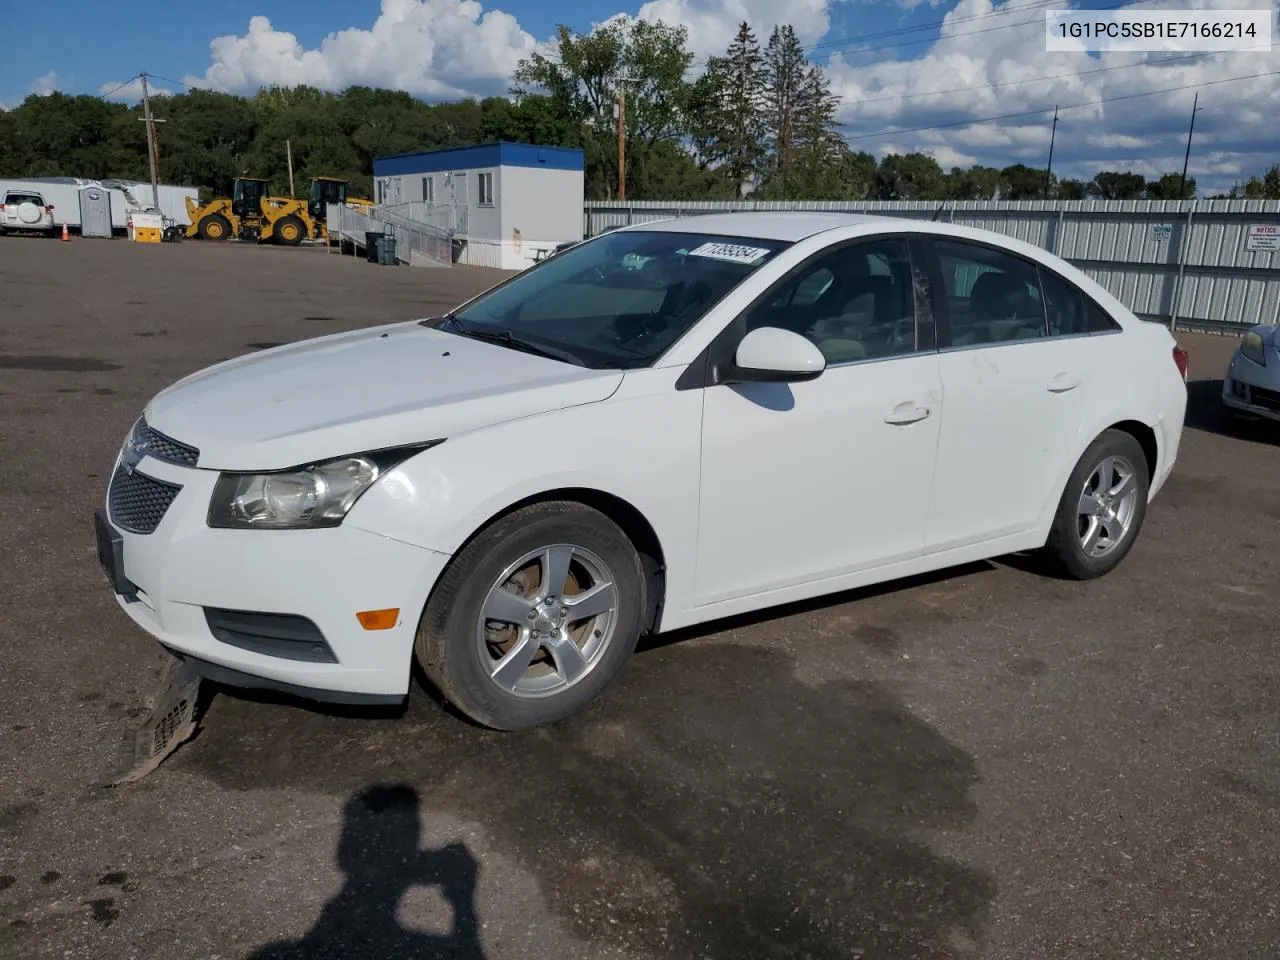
x: 733, y: 252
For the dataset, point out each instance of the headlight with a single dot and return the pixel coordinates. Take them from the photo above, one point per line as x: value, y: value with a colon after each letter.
x: 1252, y: 347
x: 319, y: 495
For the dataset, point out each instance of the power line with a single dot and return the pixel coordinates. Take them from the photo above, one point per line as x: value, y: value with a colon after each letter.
x: 1071, y: 106
x: 119, y: 86
x: 178, y: 83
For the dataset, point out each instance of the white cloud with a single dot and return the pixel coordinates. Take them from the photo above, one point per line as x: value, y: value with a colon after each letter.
x: 713, y: 23
x: 444, y: 49
x: 131, y: 91
x: 994, y: 73
x: 43, y: 86
x: 433, y: 48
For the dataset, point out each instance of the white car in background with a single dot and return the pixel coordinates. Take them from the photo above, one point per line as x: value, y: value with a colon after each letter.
x: 1252, y: 381
x: 661, y: 426
x: 26, y: 211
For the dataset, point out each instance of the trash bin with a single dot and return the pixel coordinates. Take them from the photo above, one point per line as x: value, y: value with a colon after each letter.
x: 372, y: 239
x: 387, y: 250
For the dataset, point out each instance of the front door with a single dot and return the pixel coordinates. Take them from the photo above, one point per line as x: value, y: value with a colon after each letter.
x: 807, y: 481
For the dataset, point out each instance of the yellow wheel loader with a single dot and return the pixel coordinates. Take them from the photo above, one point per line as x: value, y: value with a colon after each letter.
x: 324, y: 191
x: 251, y: 215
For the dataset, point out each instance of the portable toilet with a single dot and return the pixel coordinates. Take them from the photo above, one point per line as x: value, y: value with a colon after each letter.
x: 95, y: 211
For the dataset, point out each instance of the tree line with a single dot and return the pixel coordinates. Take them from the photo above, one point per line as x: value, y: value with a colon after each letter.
x: 759, y: 120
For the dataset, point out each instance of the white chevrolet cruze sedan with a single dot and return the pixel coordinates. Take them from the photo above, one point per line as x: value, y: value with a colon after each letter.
x: 667, y: 424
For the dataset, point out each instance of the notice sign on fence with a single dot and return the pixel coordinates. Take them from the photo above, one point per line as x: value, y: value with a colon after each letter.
x: 1161, y: 231
x: 1262, y: 236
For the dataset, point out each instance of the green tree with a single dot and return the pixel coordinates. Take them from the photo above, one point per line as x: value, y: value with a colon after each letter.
x: 728, y: 111
x: 1169, y: 187
x: 909, y: 176
x: 1265, y: 187
x: 584, y: 80
x: 975, y: 183
x: 1021, y: 182
x: 1112, y: 185
x: 1071, y: 190
x: 787, y: 77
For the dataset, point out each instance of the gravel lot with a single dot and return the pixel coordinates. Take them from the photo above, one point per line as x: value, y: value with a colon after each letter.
x: 989, y: 763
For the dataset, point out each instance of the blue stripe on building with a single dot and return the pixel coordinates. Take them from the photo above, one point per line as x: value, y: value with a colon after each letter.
x: 479, y: 157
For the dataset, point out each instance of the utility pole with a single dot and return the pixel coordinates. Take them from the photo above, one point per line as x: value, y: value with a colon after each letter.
x: 1048, y: 174
x: 622, y: 135
x: 152, y: 152
x: 1182, y: 184
x: 288, y: 155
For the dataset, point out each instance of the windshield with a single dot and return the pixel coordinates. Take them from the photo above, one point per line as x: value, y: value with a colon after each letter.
x: 24, y: 198
x: 621, y: 299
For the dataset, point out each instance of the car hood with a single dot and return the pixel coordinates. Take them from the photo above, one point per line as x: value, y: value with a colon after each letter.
x: 363, y: 390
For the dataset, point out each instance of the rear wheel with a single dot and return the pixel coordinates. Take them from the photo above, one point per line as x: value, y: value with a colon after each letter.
x: 534, y: 617
x: 1102, y: 508
x: 289, y: 231
x: 214, y: 227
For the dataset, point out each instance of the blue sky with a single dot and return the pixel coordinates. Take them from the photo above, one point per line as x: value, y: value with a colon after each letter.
x: 987, y: 60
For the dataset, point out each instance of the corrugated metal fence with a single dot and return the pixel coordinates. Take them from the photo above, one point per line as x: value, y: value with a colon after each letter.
x: 1207, y: 264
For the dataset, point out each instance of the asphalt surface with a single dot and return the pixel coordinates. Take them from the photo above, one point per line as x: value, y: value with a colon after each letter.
x: 988, y: 763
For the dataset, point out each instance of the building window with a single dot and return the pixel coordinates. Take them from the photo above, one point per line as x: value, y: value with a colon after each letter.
x: 428, y: 189
x: 486, y: 189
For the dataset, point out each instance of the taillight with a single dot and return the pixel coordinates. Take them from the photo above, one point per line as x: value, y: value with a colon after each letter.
x: 1182, y: 361
x: 48, y: 208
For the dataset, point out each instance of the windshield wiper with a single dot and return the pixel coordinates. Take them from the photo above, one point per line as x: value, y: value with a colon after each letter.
x: 507, y: 339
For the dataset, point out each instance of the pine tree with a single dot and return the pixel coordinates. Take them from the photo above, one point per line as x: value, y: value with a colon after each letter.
x: 786, y: 73
x: 731, y: 108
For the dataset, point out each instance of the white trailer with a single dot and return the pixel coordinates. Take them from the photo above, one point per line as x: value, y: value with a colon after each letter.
x: 127, y: 196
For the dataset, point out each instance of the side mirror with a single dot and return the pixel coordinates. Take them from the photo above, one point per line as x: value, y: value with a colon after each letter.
x: 774, y: 355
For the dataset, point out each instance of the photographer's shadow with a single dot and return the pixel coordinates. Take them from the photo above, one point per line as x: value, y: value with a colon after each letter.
x: 380, y: 855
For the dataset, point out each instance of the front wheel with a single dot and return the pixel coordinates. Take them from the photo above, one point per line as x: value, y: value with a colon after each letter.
x: 534, y: 617
x: 289, y: 231
x: 1102, y: 508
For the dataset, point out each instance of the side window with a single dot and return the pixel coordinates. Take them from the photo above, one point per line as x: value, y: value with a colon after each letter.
x: 1064, y: 305
x: 991, y: 297
x: 856, y: 303
x: 1097, y: 319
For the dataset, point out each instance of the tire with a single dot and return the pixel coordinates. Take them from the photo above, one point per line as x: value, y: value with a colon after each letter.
x: 289, y: 231
x: 214, y: 227
x: 1114, y: 530
x: 459, y: 656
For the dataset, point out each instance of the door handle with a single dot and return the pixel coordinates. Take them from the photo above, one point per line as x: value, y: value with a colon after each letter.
x: 908, y: 412
x: 1063, y: 382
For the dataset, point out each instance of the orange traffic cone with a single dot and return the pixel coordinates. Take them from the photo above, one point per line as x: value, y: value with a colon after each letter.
x: 65, y: 235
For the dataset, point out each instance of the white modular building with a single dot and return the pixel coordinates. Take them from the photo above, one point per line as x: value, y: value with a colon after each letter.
x: 506, y: 204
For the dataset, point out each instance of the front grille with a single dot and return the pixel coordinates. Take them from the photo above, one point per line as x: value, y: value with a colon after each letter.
x: 1268, y: 399
x: 165, y: 448
x: 138, y: 502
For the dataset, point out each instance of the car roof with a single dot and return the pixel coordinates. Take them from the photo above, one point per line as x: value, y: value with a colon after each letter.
x: 788, y: 226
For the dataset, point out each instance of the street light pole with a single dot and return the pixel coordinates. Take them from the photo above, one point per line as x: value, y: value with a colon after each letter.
x: 1182, y: 184
x: 1048, y: 174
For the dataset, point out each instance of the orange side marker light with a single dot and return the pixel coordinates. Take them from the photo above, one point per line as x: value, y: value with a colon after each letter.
x: 379, y: 619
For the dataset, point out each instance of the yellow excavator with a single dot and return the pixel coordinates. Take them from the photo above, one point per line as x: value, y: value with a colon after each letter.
x: 252, y: 214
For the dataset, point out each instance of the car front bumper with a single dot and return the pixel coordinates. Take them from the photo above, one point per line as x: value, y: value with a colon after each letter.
x: 1252, y: 388
x: 270, y: 609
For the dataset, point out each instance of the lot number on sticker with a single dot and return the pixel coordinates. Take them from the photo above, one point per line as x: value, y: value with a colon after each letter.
x: 733, y: 252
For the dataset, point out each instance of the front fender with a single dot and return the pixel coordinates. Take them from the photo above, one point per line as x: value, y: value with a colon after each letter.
x: 642, y: 446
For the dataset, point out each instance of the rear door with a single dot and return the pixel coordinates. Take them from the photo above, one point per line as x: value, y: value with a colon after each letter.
x: 1020, y: 372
